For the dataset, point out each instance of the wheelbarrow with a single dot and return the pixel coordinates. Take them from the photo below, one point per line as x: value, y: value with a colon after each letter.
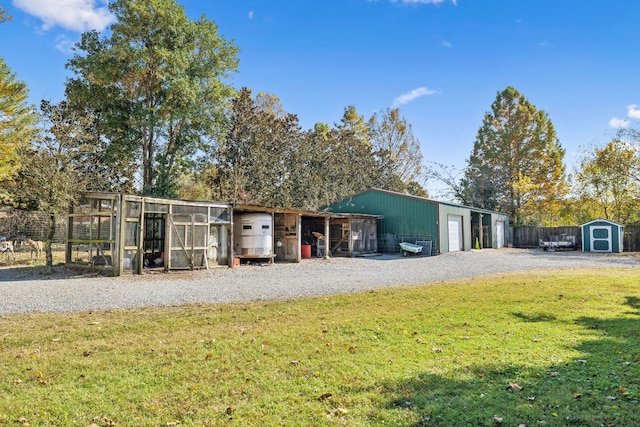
x: 408, y: 248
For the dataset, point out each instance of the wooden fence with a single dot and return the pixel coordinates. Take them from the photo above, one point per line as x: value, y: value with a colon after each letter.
x: 529, y: 237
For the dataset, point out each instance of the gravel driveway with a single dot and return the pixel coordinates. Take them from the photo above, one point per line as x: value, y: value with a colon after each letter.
x: 22, y: 291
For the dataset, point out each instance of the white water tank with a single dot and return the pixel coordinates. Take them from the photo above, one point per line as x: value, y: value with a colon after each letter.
x: 253, y: 234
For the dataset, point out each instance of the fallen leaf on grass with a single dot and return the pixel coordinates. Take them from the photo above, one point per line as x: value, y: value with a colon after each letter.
x: 577, y: 395
x: 553, y: 373
x: 497, y: 420
x: 230, y: 410
x: 294, y: 362
x: 515, y: 387
x: 23, y: 421
x: 325, y: 396
x: 17, y: 381
x: 173, y: 423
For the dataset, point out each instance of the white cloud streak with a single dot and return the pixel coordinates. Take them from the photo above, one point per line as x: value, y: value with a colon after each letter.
x: 64, y: 45
x: 251, y: 14
x: 405, y: 98
x: 618, y: 123
x: 633, y: 112
x: 73, y: 15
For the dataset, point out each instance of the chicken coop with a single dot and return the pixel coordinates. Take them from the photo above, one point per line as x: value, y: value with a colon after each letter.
x: 125, y: 233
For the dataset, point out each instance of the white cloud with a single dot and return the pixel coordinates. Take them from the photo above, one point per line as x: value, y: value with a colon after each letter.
x: 446, y: 44
x: 405, y: 98
x: 618, y: 123
x: 633, y: 112
x: 251, y: 14
x: 73, y: 15
x: 64, y: 45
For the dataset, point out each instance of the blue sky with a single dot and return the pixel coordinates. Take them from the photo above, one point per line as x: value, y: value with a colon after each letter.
x: 441, y: 62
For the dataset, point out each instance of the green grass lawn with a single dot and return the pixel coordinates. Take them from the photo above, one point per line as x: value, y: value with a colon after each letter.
x: 543, y: 348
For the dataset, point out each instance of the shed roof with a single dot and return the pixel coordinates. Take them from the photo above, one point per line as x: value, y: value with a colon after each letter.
x: 255, y: 208
x: 424, y: 199
x: 602, y: 220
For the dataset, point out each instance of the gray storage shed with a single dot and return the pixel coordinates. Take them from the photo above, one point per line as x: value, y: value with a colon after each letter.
x: 602, y: 235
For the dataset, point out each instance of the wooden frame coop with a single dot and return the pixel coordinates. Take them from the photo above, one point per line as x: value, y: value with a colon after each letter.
x: 125, y: 233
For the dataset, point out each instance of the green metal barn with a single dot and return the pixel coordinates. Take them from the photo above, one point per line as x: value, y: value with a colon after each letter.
x: 444, y: 227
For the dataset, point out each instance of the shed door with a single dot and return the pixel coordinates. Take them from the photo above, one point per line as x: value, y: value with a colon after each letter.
x: 500, y: 234
x: 600, y: 237
x: 455, y: 232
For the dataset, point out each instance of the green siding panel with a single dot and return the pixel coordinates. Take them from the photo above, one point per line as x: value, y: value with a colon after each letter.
x: 408, y: 218
x: 405, y: 217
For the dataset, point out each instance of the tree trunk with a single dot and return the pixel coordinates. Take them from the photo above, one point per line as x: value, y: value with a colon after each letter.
x: 47, y: 244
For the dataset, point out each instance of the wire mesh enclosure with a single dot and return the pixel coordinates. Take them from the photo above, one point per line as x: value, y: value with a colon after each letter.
x: 125, y: 233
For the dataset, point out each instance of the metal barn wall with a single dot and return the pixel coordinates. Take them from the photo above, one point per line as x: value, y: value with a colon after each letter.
x: 405, y: 218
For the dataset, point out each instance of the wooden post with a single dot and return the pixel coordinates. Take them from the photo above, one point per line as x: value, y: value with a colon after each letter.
x: 118, y: 255
x: 193, y: 241
x: 350, y: 241
x: 140, y: 251
x: 327, y: 240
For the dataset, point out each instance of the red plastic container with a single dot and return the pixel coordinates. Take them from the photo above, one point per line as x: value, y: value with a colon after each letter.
x: 305, y: 251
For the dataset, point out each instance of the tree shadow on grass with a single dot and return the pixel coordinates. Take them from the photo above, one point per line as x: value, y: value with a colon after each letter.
x: 601, y: 387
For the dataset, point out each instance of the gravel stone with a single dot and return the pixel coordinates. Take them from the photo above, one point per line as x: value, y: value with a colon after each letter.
x: 23, y: 291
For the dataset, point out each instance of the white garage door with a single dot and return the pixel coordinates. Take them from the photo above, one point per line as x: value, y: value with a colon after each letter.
x: 455, y: 232
x: 500, y: 234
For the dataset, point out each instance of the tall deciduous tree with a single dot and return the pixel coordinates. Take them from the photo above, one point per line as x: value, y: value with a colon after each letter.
x: 396, y: 149
x: 157, y: 85
x: 254, y: 159
x: 516, y: 165
x: 17, y: 128
x: 607, y: 181
x: 58, y: 165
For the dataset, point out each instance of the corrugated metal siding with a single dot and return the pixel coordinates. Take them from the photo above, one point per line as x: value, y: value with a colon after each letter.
x: 405, y: 218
